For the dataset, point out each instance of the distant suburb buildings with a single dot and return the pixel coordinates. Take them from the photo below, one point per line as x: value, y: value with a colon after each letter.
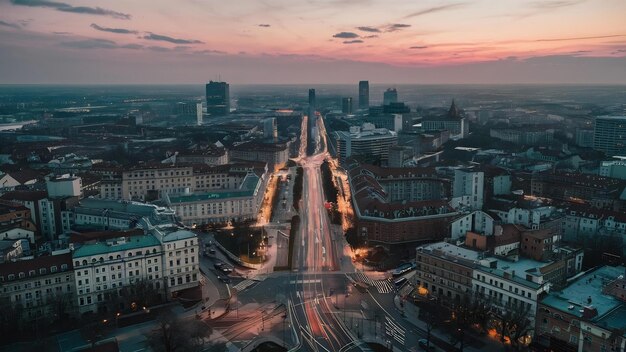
x: 452, y: 121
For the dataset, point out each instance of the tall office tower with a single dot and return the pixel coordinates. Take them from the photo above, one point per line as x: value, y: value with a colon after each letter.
x: 390, y: 96
x: 270, y: 130
x: 346, y: 105
x: 609, y: 135
x: 312, y: 103
x: 364, y: 94
x: 199, y: 114
x: 217, y: 98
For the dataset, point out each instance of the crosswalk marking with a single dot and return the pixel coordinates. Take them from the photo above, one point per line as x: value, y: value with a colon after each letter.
x: 382, y: 286
x: 394, y: 330
x: 244, y: 285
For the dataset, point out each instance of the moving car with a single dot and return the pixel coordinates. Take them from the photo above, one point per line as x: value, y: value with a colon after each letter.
x: 423, y: 344
x: 224, y: 279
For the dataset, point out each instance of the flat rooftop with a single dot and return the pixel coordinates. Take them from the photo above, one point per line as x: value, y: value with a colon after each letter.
x: 574, y: 297
x: 452, y: 250
x: 132, y: 242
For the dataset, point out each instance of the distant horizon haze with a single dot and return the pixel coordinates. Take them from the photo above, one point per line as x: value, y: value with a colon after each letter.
x: 326, y: 41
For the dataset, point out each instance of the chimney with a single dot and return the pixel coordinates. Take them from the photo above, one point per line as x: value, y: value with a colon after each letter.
x: 590, y: 312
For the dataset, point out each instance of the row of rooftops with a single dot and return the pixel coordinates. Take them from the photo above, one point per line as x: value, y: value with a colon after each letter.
x: 254, y: 146
x: 371, y: 197
x: 248, y: 188
x: 35, y: 267
x: 11, y: 209
x: 580, y: 179
x: 198, y: 168
x: 517, y: 271
x: 91, y: 244
x: 393, y: 173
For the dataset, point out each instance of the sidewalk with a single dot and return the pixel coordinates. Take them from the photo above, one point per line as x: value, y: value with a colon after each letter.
x: 410, y: 313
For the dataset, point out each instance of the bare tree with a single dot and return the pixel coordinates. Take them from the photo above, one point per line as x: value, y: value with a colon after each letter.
x: 461, y: 319
x: 12, y: 319
x: 480, y: 311
x: 141, y: 293
x: 61, y: 307
x: 92, y: 330
x: 173, y: 334
x: 430, y: 314
x: 515, y: 320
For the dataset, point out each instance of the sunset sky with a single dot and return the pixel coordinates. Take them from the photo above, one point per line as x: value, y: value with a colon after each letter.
x: 311, y: 41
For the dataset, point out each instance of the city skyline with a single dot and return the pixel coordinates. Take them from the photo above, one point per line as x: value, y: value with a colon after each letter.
x: 273, y: 42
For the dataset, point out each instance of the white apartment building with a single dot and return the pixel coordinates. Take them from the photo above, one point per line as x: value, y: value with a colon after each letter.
x: 476, y: 221
x: 584, y: 223
x: 168, y: 259
x: 510, y: 284
x: 180, y: 260
x: 65, y: 186
x: 160, y: 178
x: 468, y: 188
x: 106, y: 266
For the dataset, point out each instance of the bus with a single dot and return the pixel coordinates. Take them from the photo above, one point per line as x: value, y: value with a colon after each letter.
x: 403, y: 269
x: 400, y: 282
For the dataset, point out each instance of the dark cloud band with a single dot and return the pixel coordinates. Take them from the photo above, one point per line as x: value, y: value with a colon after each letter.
x: 63, y: 7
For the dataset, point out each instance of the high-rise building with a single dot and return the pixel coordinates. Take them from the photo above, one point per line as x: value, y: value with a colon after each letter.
x: 312, y: 103
x: 346, y: 105
x: 199, y: 114
x: 365, y: 141
x: 364, y: 94
x: 609, y: 135
x: 217, y: 98
x: 270, y: 130
x: 390, y: 96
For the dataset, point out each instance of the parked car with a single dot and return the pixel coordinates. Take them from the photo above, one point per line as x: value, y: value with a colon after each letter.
x: 218, y: 265
x: 423, y: 343
x: 212, y: 250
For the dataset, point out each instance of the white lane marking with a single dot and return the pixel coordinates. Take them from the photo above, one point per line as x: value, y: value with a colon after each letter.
x: 308, y: 281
